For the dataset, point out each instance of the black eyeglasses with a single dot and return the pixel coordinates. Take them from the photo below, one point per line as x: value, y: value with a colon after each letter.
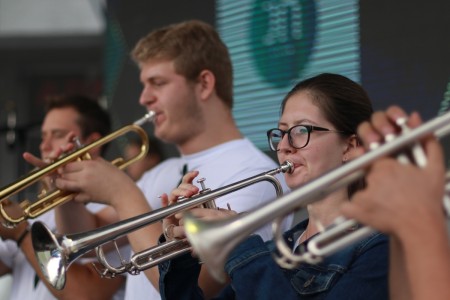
x: 298, y: 135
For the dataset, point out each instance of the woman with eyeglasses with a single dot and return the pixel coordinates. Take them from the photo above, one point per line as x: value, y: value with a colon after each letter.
x: 317, y: 133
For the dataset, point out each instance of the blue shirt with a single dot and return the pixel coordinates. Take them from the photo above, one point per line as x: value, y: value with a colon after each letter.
x: 359, y: 271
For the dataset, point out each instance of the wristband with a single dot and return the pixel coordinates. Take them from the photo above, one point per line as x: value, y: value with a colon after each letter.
x: 22, y: 237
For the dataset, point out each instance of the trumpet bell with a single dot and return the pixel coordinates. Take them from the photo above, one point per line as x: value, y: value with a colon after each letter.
x: 49, y: 254
x: 213, y: 252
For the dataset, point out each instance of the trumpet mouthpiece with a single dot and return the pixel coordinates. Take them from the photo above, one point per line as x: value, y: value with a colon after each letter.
x: 148, y: 117
x: 287, y: 167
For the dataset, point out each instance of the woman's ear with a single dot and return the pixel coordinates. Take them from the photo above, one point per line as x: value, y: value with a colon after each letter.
x: 351, y: 148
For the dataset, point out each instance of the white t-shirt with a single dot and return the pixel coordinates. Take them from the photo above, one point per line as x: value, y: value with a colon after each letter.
x: 221, y: 165
x: 23, y: 275
x: 24, y: 284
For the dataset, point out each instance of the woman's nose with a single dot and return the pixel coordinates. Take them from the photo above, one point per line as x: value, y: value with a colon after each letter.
x: 284, y: 145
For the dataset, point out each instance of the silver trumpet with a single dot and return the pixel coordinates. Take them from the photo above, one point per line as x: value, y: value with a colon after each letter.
x: 56, y: 253
x: 214, y: 240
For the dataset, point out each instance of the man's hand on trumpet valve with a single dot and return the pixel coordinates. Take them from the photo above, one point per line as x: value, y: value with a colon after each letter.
x: 173, y: 226
x: 385, y: 124
x: 49, y: 180
x: 185, y: 189
x: 95, y: 180
x: 69, y: 146
x: 395, y: 191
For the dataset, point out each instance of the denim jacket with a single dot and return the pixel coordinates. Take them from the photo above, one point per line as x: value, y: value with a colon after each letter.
x: 359, y: 271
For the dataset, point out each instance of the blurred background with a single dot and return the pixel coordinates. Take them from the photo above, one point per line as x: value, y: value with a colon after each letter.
x: 398, y: 50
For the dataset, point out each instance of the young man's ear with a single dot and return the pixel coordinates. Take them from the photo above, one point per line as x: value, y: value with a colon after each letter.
x: 207, y: 83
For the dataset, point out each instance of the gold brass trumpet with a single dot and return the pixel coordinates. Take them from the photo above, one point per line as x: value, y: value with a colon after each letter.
x: 56, y: 253
x: 214, y: 240
x: 48, y: 200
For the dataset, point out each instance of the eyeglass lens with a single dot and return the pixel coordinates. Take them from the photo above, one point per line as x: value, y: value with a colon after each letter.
x: 298, y: 137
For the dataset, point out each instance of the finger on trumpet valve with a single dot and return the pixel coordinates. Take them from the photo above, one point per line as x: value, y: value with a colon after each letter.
x: 210, y: 204
x: 374, y: 145
x: 418, y: 154
x: 402, y: 157
x: 202, y: 184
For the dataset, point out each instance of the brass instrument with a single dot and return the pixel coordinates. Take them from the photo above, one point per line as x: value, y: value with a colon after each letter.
x: 56, y: 253
x: 214, y: 240
x: 48, y: 200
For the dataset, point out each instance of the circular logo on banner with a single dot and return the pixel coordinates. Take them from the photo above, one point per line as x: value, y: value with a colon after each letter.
x: 282, y: 35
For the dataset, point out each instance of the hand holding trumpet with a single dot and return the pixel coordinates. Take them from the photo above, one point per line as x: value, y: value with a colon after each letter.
x: 71, y: 143
x: 389, y: 209
x: 173, y: 226
x: 408, y: 206
x: 79, y: 176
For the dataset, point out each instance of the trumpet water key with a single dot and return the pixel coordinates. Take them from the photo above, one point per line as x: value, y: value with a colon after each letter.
x: 214, y: 240
x: 48, y: 200
x: 56, y: 253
